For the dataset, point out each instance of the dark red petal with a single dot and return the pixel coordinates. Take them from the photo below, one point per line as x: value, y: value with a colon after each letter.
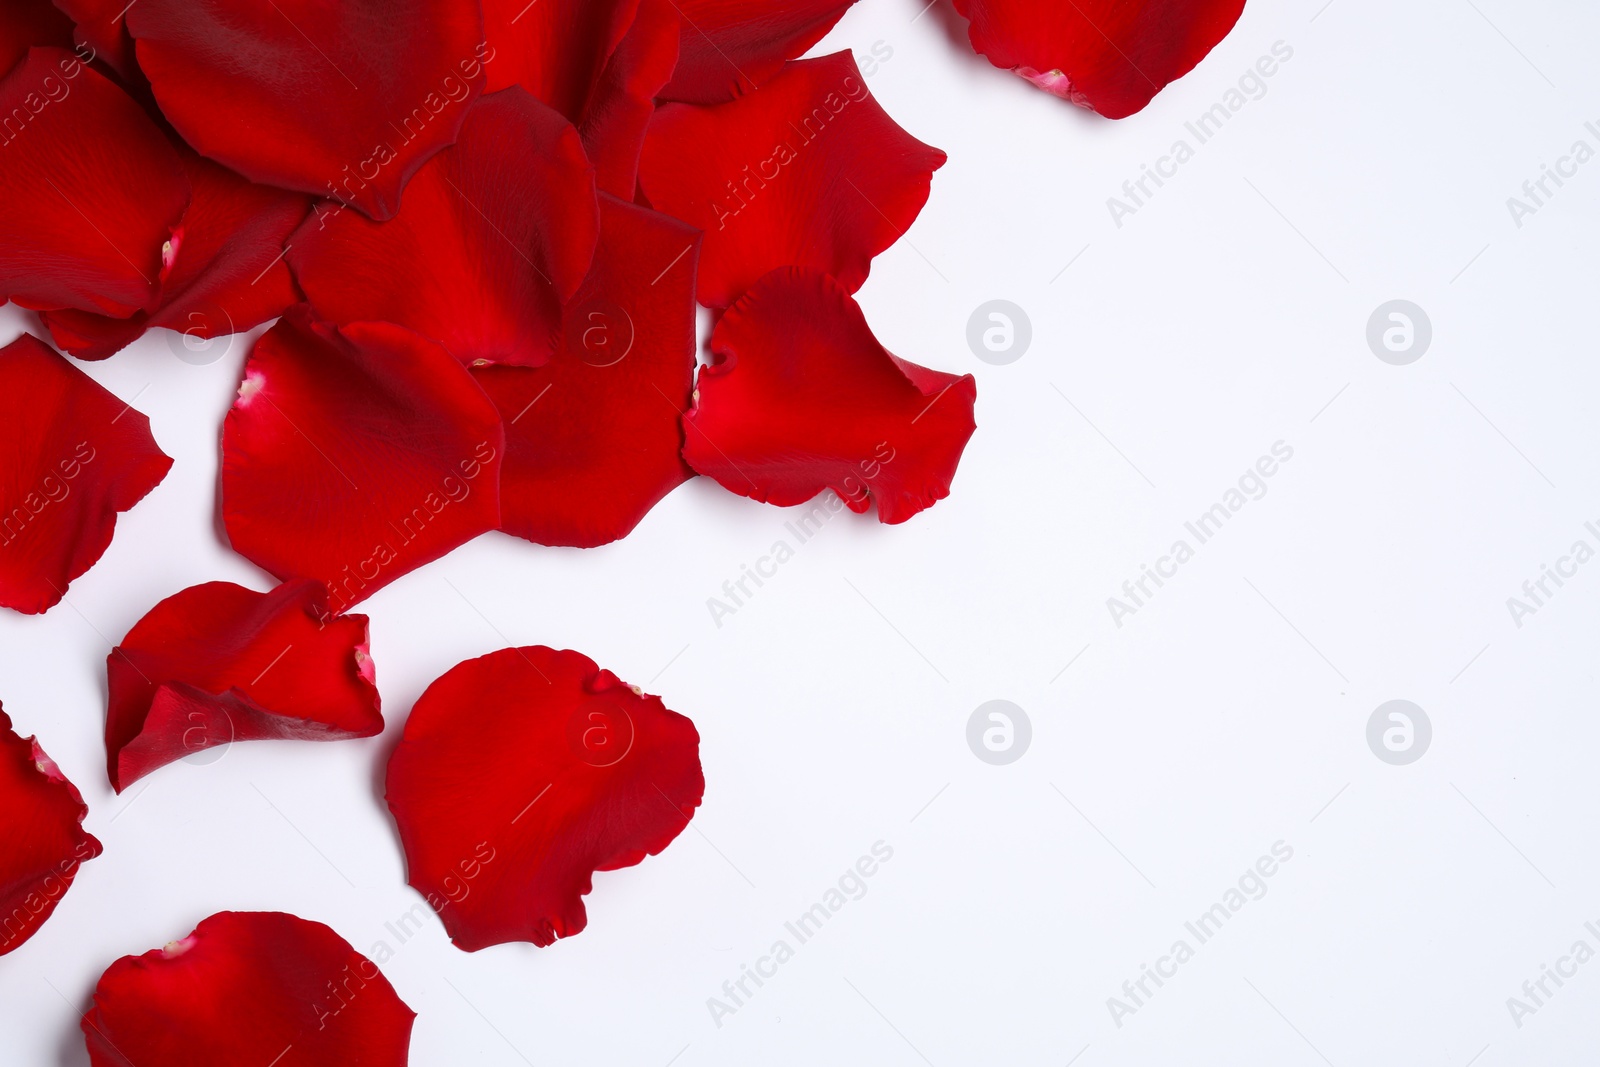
x: 523, y: 772
x: 614, y: 122
x: 91, y: 191
x: 1110, y: 56
x: 229, y: 275
x: 594, y: 438
x: 26, y: 23
x: 355, y: 455
x: 598, y: 62
x: 732, y: 46
x: 102, y: 29
x: 807, y: 172
x: 248, y: 988
x: 803, y: 398
x: 72, y: 457
x: 496, y: 233
x: 345, y: 100
x: 219, y: 663
x: 43, y: 843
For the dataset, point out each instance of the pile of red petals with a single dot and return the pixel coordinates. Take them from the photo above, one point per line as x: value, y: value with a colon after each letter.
x: 482, y: 228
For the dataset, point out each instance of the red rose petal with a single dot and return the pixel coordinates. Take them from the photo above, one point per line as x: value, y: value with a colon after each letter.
x: 91, y: 192
x: 523, y: 772
x: 1106, y: 55
x: 248, y: 988
x: 102, y: 29
x: 345, y: 100
x: 43, y: 843
x: 355, y: 455
x: 807, y: 172
x: 803, y: 399
x: 732, y: 46
x: 594, y: 438
x: 598, y: 62
x: 219, y: 663
x: 26, y: 23
x: 496, y: 233
x: 614, y: 122
x: 72, y: 456
x: 228, y: 277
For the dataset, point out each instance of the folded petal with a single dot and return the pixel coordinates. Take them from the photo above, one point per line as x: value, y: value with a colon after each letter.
x: 245, y: 988
x: 345, y: 100
x: 42, y: 840
x: 496, y: 233
x: 219, y: 663
x: 613, y: 123
x: 803, y: 398
x: 27, y: 23
x: 100, y: 27
x: 523, y: 772
x: 807, y: 172
x: 354, y: 455
x: 91, y: 192
x: 72, y: 457
x: 732, y: 46
x: 228, y: 276
x: 1106, y: 55
x: 594, y: 438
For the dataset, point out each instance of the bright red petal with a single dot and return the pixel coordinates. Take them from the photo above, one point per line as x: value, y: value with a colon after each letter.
x: 91, y: 192
x: 355, y: 455
x: 43, y: 842
x: 523, y: 772
x: 26, y: 23
x: 807, y: 172
x: 72, y: 457
x: 1110, y: 56
x: 219, y: 663
x: 594, y: 438
x: 345, y: 100
x: 496, y: 233
x: 229, y: 275
x: 102, y: 29
x: 803, y: 398
x: 248, y: 988
x: 732, y: 46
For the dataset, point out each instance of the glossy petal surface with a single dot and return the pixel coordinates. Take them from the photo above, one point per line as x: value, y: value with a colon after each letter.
x: 248, y: 988
x: 593, y: 439
x: 523, y: 772
x: 355, y: 455
x: 72, y: 457
x: 497, y: 232
x: 803, y: 398
x: 1110, y: 56
x: 91, y: 193
x: 42, y: 840
x: 219, y: 663
x: 345, y: 100
x: 733, y: 46
x: 229, y: 275
x: 807, y: 172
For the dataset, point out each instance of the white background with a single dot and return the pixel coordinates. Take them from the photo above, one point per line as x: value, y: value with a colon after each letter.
x: 1228, y: 714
